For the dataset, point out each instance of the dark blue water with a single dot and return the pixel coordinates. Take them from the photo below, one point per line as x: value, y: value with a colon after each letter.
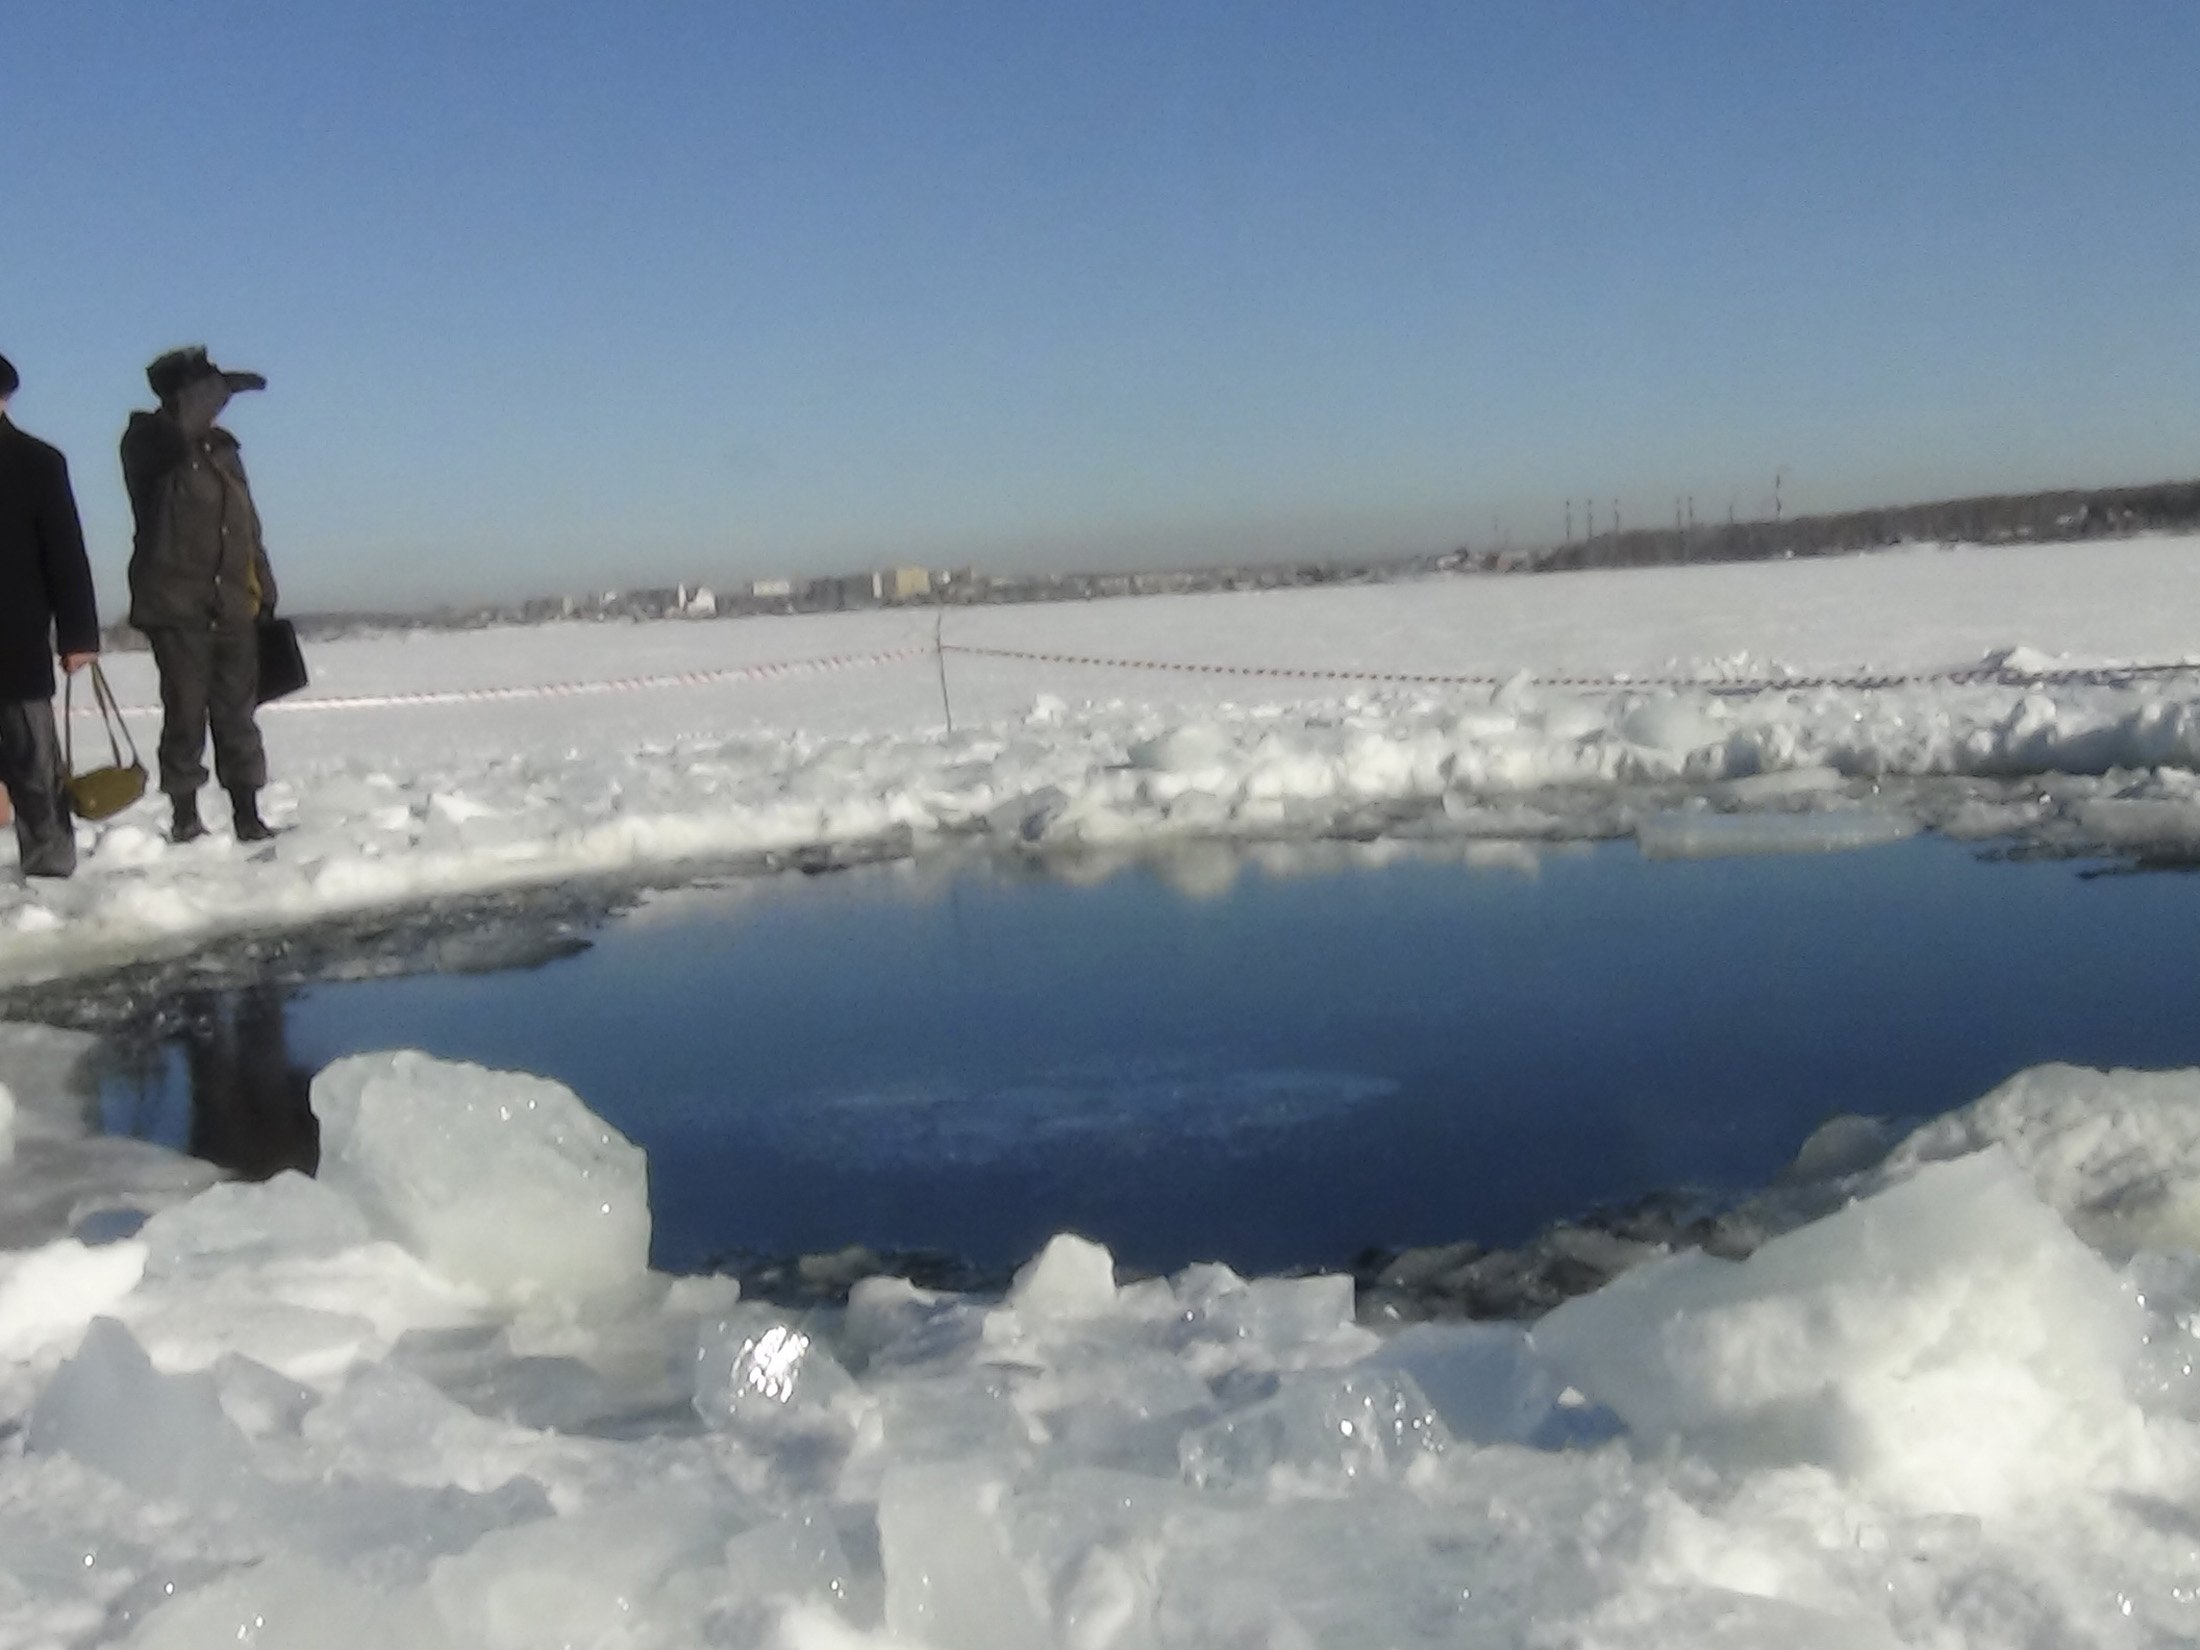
x: 1296, y: 1067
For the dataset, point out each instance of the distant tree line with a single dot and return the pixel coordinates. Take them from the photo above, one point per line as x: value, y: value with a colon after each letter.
x: 2006, y: 518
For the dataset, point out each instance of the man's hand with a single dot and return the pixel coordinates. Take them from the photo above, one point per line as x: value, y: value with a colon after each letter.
x: 74, y: 662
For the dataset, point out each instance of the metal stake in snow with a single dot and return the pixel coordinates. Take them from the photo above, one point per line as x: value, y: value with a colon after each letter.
x: 939, y: 657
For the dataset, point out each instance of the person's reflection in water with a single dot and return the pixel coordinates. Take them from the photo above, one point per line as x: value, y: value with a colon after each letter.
x: 249, y: 1105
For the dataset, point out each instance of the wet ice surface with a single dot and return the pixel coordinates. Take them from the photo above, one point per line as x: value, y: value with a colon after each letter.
x: 1281, y: 1059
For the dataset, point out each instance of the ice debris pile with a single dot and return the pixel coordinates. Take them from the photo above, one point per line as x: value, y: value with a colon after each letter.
x: 1684, y: 771
x: 436, y: 1398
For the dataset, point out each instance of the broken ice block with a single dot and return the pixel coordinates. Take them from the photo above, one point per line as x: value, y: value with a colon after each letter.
x: 496, y: 1179
x: 753, y: 1368
x: 950, y: 1576
x: 1949, y: 1343
x: 163, y: 1435
x: 1326, y: 1428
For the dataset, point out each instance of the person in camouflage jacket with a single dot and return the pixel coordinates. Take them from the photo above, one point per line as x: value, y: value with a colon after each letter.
x: 199, y: 583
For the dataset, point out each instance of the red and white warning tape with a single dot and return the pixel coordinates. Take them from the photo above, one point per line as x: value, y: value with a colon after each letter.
x: 1219, y: 670
x: 1973, y: 675
x: 564, y: 690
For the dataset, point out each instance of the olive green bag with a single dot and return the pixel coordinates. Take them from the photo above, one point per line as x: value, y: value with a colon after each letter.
x: 101, y: 792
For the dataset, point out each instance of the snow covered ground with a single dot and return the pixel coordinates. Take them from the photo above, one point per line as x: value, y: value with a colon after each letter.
x: 435, y: 1397
x: 387, y: 802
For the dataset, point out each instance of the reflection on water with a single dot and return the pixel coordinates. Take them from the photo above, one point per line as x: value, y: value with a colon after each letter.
x: 224, y: 1087
x: 1276, y: 1057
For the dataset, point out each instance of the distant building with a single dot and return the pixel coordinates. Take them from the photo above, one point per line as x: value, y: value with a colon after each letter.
x: 771, y: 590
x: 850, y: 590
x: 906, y: 584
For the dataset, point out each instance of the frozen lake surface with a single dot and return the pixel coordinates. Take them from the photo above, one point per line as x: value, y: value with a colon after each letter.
x: 1275, y: 1058
x: 1929, y: 1386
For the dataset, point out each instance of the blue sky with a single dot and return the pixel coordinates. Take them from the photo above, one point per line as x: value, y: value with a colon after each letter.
x: 557, y: 296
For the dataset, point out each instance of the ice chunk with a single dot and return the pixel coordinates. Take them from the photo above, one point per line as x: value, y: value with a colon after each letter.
x: 390, y: 1423
x: 1673, y: 724
x: 162, y: 1435
x: 798, y: 1555
x: 233, y: 1269
x: 42, y: 1068
x: 2163, y: 827
x: 754, y: 1369
x: 2116, y: 1153
x: 496, y: 1179
x: 1099, y: 1537
x: 2168, y: 1377
x: 1949, y: 1343
x: 262, y: 1401
x: 49, y: 1293
x: 404, y: 1526
x: 971, y: 1421
x: 1485, y: 1381
x: 241, y: 1223
x: 1319, y: 1430
x: 1125, y: 1411
x: 1780, y: 785
x: 1286, y: 1321
x: 1696, y: 835
x: 892, y: 1321
x: 1029, y: 817
x: 950, y: 1576
x: 1565, y: 720
x: 1374, y: 1568
x: 1071, y: 1278
x: 1193, y: 748
x: 1839, y: 1146
x: 1108, y: 1601
x: 587, y: 1579
x: 288, y: 1604
x: 1722, y: 1618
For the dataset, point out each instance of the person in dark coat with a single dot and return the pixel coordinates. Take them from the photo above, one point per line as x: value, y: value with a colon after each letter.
x: 199, y: 579
x: 47, y: 608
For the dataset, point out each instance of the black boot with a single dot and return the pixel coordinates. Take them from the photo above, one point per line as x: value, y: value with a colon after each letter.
x: 187, y: 826
x: 250, y: 826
